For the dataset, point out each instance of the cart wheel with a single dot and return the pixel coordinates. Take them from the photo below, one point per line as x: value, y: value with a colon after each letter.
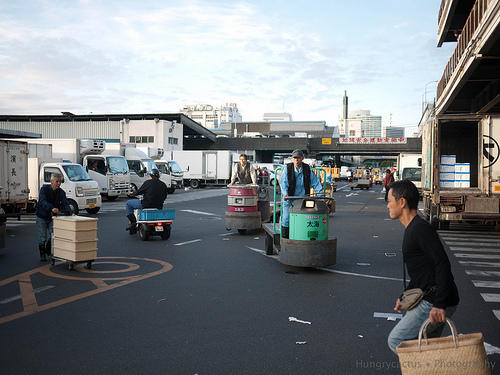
x: 228, y: 229
x: 70, y: 266
x: 242, y: 231
x: 165, y: 235
x: 143, y: 232
x: 89, y: 265
x: 269, y: 245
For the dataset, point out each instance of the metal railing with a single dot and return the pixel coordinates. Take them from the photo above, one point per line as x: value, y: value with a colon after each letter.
x: 473, y: 22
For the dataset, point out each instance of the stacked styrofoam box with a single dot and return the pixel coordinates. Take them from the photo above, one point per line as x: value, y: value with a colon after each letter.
x: 462, y: 174
x: 75, y: 238
x: 447, y: 171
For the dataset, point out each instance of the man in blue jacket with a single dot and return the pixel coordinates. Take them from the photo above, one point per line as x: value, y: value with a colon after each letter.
x: 296, y: 180
x: 51, y: 201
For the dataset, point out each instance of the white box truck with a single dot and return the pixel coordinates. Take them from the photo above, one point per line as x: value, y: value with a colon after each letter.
x: 81, y: 191
x: 156, y: 153
x: 466, y: 146
x: 410, y: 168
x: 202, y: 168
x: 14, y: 190
x: 109, y: 171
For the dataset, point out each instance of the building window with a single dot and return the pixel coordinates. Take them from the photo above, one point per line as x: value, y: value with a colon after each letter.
x: 141, y: 139
x: 173, y: 141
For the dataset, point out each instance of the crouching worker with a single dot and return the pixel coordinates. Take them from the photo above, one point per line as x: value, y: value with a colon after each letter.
x: 296, y: 180
x: 51, y: 201
x: 154, y: 192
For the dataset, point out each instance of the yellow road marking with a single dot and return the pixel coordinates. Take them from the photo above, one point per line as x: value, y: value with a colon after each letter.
x: 30, y: 305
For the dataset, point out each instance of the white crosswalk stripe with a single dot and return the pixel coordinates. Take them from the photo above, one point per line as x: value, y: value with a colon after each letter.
x: 478, y: 252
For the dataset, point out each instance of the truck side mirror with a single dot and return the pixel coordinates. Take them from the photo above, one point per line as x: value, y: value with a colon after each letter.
x: 187, y: 168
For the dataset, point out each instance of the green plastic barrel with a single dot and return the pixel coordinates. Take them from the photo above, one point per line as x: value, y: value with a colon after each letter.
x: 309, y: 223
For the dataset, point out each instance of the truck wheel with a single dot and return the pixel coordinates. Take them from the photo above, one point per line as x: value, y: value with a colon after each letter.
x: 195, y: 184
x: 74, y: 206
x: 171, y: 191
x: 111, y: 197
x: 93, y: 211
x: 242, y: 231
x: 165, y: 235
x: 143, y: 232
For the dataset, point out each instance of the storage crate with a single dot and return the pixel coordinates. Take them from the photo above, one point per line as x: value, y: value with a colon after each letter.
x: 75, y: 246
x: 73, y: 235
x: 447, y: 167
x: 75, y: 256
x: 75, y: 222
x: 462, y: 167
x: 156, y: 214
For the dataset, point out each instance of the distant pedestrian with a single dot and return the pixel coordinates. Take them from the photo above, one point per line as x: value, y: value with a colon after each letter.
x: 389, y: 179
x: 428, y: 268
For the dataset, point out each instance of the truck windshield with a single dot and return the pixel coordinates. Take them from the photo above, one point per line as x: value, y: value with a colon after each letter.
x: 76, y: 172
x: 117, y: 165
x: 412, y: 174
x: 162, y: 167
x: 174, y: 167
x: 149, y: 164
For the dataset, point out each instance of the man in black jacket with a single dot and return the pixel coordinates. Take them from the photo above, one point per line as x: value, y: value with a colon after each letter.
x: 154, y: 192
x: 51, y: 201
x: 428, y: 268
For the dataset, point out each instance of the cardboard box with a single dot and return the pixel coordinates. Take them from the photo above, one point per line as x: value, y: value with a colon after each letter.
x: 73, y: 235
x: 75, y: 222
x: 75, y: 256
x: 75, y: 246
x: 448, y: 159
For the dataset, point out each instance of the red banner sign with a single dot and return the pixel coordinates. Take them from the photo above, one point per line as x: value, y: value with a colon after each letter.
x: 372, y: 140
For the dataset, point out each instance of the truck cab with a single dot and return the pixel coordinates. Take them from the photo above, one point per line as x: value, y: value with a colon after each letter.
x: 81, y: 191
x: 171, y: 168
x: 111, y: 173
x: 140, y: 165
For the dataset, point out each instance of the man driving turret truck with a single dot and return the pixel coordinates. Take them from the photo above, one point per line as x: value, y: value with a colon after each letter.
x: 296, y: 180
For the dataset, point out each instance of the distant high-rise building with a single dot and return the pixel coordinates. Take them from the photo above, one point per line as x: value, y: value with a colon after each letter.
x: 212, y: 117
x: 360, y: 123
x: 393, y: 131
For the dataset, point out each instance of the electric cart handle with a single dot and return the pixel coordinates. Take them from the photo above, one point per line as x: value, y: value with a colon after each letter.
x: 308, y: 197
x: 237, y: 185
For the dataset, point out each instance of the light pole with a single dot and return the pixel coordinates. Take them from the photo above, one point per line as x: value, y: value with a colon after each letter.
x: 424, y: 95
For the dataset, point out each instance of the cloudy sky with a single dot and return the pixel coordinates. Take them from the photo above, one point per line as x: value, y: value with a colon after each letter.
x: 129, y: 56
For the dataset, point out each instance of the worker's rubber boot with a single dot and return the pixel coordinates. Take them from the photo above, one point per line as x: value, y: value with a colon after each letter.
x: 43, y: 256
x: 285, y: 232
x: 48, y: 248
x: 131, y: 227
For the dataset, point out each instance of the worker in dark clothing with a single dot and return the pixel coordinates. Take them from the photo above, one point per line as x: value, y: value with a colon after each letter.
x: 154, y: 192
x: 428, y: 268
x: 51, y: 201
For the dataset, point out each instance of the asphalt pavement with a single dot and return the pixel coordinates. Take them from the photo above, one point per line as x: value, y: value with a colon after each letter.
x: 209, y: 301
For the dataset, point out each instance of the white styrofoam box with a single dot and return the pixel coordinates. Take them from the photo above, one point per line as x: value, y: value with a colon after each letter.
x: 447, y: 184
x: 462, y: 167
x: 448, y: 159
x: 462, y: 176
x: 447, y: 167
x: 447, y: 176
x: 75, y: 222
x: 462, y: 183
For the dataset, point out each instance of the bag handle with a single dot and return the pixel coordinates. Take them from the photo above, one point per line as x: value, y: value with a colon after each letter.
x: 423, y: 331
